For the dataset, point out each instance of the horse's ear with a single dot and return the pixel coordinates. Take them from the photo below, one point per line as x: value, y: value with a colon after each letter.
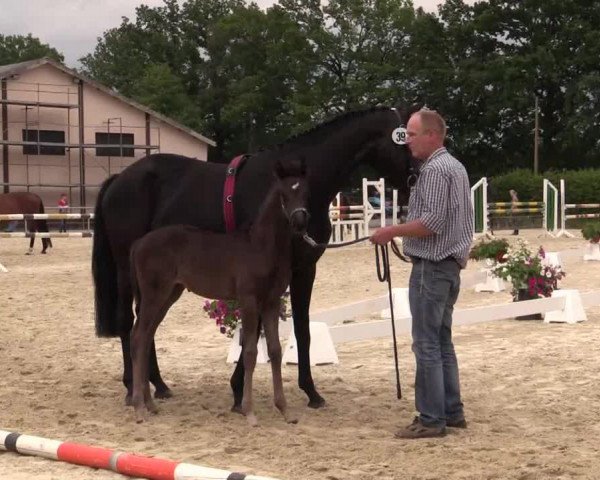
x: 407, y: 110
x: 415, y: 107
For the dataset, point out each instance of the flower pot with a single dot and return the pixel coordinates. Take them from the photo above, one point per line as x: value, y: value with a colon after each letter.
x: 593, y: 251
x: 523, y: 295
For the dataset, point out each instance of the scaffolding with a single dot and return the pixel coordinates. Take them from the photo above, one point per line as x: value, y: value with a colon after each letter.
x: 74, y: 103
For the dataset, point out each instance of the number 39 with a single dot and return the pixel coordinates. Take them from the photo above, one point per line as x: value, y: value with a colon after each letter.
x: 399, y: 136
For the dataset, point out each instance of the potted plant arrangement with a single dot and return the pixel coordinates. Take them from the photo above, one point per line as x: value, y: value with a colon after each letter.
x: 227, y: 314
x: 529, y: 276
x: 491, y: 251
x: 591, y: 232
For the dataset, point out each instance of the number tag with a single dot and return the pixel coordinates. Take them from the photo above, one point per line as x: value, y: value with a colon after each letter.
x: 399, y: 136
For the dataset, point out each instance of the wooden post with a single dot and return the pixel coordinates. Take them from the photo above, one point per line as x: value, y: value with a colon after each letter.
x: 148, y: 138
x: 5, y: 173
x: 81, y: 121
x: 536, y: 138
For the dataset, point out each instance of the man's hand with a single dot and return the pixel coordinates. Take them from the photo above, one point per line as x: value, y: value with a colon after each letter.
x: 383, y: 235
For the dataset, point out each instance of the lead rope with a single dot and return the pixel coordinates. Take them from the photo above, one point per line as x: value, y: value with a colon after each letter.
x: 383, y: 274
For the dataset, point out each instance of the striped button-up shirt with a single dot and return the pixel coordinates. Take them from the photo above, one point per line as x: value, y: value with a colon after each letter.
x: 441, y: 199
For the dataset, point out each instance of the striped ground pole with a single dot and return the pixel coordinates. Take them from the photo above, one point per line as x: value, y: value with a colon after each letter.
x: 47, y: 216
x: 120, y: 462
x: 85, y: 234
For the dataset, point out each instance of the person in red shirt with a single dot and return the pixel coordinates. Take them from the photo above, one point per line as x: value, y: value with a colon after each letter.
x: 63, y: 207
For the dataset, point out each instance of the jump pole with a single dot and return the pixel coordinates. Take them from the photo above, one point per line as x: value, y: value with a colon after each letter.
x: 125, y: 463
x: 84, y: 234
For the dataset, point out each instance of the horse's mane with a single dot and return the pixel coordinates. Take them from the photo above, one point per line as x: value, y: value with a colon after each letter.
x: 324, y: 127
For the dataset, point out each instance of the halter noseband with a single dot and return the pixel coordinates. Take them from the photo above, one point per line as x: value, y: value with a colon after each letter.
x: 294, y: 211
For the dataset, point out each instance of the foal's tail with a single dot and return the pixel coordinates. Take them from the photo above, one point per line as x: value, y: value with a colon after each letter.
x: 104, y: 272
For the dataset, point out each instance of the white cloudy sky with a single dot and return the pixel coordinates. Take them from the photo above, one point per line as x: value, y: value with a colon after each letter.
x: 72, y: 26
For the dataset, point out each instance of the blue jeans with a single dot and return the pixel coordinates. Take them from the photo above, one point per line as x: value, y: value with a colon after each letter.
x: 433, y: 290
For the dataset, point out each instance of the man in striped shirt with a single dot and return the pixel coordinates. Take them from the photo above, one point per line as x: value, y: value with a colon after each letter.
x: 437, y: 236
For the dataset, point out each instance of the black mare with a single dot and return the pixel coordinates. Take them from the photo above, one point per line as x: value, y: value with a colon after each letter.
x: 163, y: 189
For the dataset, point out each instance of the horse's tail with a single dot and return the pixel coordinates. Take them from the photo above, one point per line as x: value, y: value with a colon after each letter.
x: 104, y: 272
x: 42, y: 226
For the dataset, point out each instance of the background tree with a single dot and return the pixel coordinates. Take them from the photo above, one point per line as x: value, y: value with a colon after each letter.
x: 20, y: 48
x: 250, y: 78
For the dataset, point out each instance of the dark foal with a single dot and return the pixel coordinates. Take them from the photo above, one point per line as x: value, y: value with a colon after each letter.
x: 253, y: 267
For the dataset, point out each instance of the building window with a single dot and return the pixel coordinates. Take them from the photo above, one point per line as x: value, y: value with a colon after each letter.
x: 114, y: 139
x: 45, y: 136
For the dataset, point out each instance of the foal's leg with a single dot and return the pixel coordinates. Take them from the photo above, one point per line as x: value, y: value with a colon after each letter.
x: 152, y: 310
x: 124, y: 310
x: 270, y: 318
x: 237, y: 377
x: 249, y: 352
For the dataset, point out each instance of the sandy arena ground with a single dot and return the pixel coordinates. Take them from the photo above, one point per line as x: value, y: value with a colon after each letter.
x: 531, y: 390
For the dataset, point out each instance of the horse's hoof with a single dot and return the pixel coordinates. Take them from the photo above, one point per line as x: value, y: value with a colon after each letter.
x: 293, y: 419
x: 252, y: 420
x: 237, y: 409
x: 317, y: 403
x: 168, y: 393
x: 128, y: 402
x: 43, y: 252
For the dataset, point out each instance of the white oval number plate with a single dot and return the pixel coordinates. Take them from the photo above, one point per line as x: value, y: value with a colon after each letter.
x: 399, y: 136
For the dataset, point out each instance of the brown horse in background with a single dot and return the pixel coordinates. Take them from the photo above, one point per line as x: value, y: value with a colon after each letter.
x: 23, y: 203
x: 253, y: 267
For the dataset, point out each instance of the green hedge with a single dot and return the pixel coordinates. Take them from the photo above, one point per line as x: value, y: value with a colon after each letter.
x: 582, y: 186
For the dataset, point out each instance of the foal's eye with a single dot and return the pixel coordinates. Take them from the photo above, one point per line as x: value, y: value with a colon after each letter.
x: 295, y: 186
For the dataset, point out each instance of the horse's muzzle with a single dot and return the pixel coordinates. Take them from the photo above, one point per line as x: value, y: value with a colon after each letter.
x: 299, y: 220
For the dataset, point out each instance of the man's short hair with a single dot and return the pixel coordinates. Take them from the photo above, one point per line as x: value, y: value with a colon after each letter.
x: 432, y: 121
